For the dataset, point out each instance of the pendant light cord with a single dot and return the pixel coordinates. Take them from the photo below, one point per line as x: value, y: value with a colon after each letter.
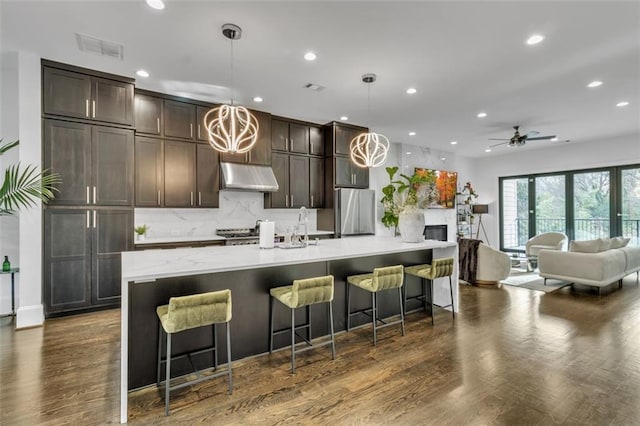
x: 231, y: 41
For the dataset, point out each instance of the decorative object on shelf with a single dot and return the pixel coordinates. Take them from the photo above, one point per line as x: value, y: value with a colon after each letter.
x: 6, y: 265
x: 232, y: 129
x: 480, y: 209
x: 446, y: 184
x: 369, y: 149
x: 469, y: 192
x: 22, y: 186
x: 141, y: 231
x: 404, y: 200
x: 464, y: 214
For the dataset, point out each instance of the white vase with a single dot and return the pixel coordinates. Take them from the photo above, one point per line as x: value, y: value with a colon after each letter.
x: 411, y: 225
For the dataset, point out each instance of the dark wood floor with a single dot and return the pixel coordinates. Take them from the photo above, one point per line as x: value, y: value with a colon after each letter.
x: 512, y: 356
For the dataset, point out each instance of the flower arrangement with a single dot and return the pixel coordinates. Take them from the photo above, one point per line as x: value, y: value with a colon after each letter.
x: 469, y: 192
x: 409, y: 194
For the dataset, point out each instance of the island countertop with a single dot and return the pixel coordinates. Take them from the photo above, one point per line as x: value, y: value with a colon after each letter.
x: 155, y: 264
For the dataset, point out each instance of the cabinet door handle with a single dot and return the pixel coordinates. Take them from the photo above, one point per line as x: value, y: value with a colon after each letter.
x: 191, y: 129
x: 312, y: 201
x: 191, y: 197
x: 291, y: 200
x: 94, y: 195
x: 199, y: 198
x: 249, y: 156
x: 95, y: 219
x: 286, y: 144
x: 286, y: 200
x: 88, y: 201
x: 158, y: 124
x: 86, y: 108
x: 93, y: 108
x: 88, y: 220
x: 198, y: 131
x: 158, y: 197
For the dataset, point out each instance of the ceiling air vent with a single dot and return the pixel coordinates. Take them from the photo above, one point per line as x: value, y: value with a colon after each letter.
x: 314, y: 87
x: 99, y: 47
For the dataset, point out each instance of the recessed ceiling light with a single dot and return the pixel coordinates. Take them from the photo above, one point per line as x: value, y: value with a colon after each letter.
x: 454, y: 142
x: 408, y: 153
x: 344, y: 118
x: 594, y: 83
x: 257, y: 99
x: 482, y: 115
x: 142, y: 73
x: 535, y: 39
x: 622, y: 104
x: 487, y: 150
x: 443, y: 158
x: 411, y: 90
x: 554, y: 139
x: 156, y: 4
x: 412, y: 133
x: 310, y: 56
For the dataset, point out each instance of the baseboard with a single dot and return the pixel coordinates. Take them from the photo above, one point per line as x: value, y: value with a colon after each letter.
x: 29, y: 316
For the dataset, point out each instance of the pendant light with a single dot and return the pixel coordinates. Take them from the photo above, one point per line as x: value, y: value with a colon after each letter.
x: 369, y: 149
x: 232, y: 129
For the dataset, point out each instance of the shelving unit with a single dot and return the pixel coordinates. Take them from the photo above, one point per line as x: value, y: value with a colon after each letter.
x: 464, y: 225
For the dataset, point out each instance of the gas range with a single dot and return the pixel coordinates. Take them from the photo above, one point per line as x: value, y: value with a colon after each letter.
x: 239, y: 236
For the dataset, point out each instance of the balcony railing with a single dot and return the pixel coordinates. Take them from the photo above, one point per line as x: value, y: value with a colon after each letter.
x: 517, y: 234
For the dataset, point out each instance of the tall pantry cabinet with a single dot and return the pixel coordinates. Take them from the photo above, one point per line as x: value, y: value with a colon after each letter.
x: 88, y: 139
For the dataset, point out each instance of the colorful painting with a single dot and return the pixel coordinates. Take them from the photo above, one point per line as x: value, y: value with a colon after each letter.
x: 446, y: 184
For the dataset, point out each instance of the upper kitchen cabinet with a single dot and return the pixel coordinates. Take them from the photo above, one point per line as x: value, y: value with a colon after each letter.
x: 95, y: 163
x: 316, y: 141
x: 341, y: 171
x: 148, y: 114
x: 179, y: 119
x: 342, y: 137
x: 207, y: 176
x: 201, y: 131
x: 179, y: 174
x: 289, y: 136
x: 83, y: 94
x: 260, y: 154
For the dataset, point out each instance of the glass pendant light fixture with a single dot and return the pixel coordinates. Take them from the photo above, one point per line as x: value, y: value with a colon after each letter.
x: 232, y: 129
x: 369, y: 149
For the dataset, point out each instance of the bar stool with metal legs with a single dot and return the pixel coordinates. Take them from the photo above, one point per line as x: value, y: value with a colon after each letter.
x: 303, y: 293
x: 439, y: 268
x: 387, y: 278
x: 187, y: 312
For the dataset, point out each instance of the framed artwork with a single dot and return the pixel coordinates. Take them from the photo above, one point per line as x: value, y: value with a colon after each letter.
x: 446, y: 183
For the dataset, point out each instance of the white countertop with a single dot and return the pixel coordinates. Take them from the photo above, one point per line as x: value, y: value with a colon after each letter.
x: 153, y: 264
x: 190, y: 239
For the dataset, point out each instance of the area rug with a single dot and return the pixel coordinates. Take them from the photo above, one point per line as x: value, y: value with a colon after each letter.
x: 533, y: 281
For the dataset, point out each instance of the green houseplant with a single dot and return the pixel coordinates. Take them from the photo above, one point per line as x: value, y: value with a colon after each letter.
x: 22, y: 186
x: 409, y: 194
x: 141, y: 230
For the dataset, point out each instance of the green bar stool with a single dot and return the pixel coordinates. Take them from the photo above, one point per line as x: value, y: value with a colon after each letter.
x: 439, y: 268
x: 187, y: 312
x: 387, y: 278
x: 303, y: 293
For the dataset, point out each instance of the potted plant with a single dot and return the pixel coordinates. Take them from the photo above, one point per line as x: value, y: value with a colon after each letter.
x: 22, y: 186
x: 141, y: 231
x: 404, y: 200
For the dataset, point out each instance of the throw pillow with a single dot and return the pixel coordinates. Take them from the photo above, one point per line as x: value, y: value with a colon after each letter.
x: 619, y: 242
x: 590, y: 246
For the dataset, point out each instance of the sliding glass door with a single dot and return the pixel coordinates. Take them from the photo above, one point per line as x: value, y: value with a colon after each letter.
x: 629, y: 214
x: 591, y: 205
x: 584, y: 204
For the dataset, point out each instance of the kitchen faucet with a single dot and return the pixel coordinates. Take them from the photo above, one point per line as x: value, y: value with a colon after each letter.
x: 303, y: 219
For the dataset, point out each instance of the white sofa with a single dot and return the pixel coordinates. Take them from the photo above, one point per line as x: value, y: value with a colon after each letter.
x: 596, y: 263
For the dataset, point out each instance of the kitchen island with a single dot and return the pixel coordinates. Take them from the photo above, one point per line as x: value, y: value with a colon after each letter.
x: 150, y: 278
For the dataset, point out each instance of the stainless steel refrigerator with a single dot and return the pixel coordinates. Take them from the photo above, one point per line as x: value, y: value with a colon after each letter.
x: 355, y: 212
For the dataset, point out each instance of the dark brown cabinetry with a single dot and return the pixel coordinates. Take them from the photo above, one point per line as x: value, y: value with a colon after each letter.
x: 207, y: 177
x: 289, y: 136
x: 82, y: 256
x: 343, y: 172
x: 348, y: 174
x: 343, y: 136
x: 292, y: 174
x: 148, y: 113
x: 179, y: 119
x: 149, y: 168
x: 95, y: 163
x: 316, y: 182
x: 316, y: 141
x: 201, y: 130
x: 179, y: 174
x: 260, y: 154
x: 80, y: 95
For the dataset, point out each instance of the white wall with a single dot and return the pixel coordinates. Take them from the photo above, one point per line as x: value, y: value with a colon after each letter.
x: 484, y: 173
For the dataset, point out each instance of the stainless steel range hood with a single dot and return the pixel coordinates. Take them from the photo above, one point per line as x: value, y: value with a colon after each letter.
x: 248, y: 177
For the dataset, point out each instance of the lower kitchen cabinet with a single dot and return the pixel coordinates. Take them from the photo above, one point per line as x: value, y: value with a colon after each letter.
x: 82, y: 249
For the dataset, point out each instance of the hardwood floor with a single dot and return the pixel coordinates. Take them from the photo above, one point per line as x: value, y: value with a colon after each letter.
x: 512, y: 356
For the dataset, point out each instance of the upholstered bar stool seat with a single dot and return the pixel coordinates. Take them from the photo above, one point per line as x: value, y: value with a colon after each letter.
x: 439, y: 268
x: 302, y: 294
x: 386, y: 278
x: 188, y: 312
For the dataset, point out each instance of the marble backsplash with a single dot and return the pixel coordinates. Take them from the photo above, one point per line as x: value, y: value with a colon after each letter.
x: 238, y: 209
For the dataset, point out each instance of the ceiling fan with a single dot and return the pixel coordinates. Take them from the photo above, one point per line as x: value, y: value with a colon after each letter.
x: 518, y: 140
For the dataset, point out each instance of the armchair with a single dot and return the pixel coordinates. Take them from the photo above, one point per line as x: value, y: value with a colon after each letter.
x: 545, y: 241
